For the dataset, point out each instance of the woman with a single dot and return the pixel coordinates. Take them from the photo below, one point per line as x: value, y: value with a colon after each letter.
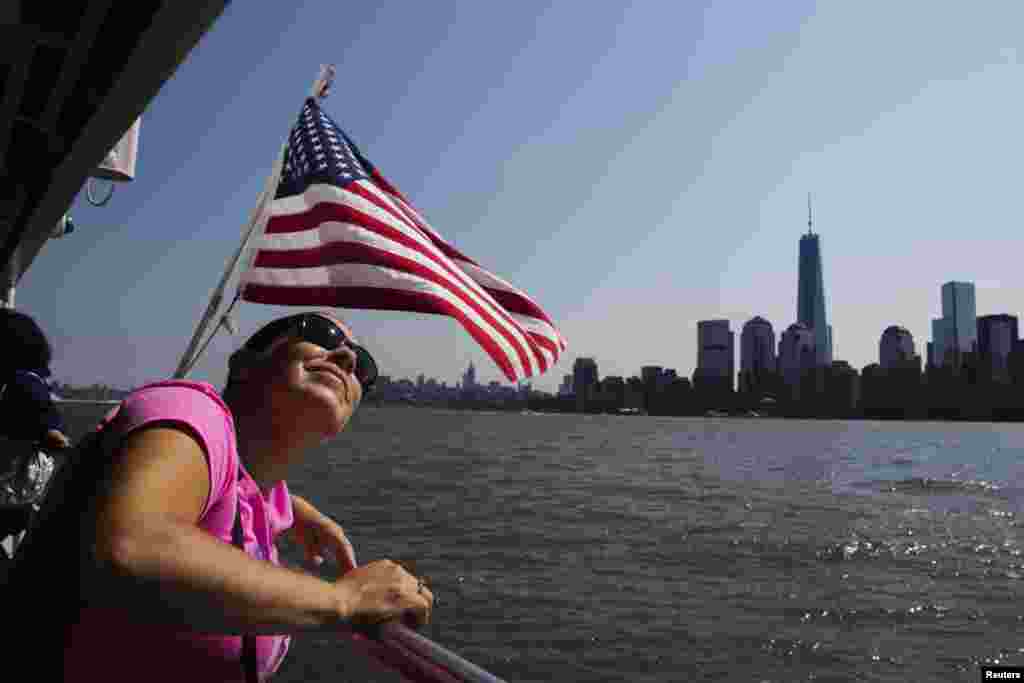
x: 29, y: 420
x: 193, y: 473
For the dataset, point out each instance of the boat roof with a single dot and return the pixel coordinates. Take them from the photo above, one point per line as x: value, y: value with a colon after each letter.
x: 74, y: 76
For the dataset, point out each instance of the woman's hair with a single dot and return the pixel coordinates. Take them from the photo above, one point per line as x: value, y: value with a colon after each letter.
x: 256, y: 344
x: 25, y: 347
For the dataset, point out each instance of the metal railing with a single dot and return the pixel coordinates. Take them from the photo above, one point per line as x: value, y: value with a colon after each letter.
x: 87, y: 401
x: 417, y: 658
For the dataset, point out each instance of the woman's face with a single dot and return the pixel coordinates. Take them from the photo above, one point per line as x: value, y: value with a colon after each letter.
x: 312, y: 390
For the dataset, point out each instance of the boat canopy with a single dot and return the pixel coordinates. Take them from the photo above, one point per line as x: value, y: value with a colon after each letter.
x: 74, y: 77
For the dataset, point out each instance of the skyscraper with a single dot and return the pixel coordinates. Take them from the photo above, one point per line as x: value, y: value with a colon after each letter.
x: 566, y: 387
x: 584, y: 380
x: 469, y: 378
x: 937, y: 348
x: 810, y: 301
x: 996, y: 337
x: 757, y: 353
x: 757, y: 345
x: 896, y: 347
x: 958, y: 307
x: 796, y: 355
x: 716, y: 352
x: 956, y: 332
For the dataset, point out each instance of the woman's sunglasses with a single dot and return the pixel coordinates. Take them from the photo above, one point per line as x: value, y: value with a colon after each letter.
x: 321, y: 331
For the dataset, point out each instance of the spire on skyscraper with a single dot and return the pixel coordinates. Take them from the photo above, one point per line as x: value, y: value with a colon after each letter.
x: 811, y: 292
x: 810, y: 223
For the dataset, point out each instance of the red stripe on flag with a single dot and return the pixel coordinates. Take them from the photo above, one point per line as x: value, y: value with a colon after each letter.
x: 516, y: 303
x: 546, y: 342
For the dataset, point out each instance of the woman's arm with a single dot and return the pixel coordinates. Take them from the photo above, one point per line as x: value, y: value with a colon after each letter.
x: 149, y: 557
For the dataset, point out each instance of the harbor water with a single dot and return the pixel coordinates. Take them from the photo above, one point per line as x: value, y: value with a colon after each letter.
x: 611, y: 548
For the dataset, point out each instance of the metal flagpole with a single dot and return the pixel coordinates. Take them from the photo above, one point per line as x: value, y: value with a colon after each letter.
x: 319, y: 90
x: 186, y: 362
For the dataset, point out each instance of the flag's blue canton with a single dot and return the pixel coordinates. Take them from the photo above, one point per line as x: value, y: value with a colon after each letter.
x: 318, y: 152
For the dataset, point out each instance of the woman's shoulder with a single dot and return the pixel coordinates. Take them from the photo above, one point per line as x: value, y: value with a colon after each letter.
x: 178, y: 393
x: 196, y: 404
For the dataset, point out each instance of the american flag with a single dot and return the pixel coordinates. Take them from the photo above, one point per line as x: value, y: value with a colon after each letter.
x: 339, y: 234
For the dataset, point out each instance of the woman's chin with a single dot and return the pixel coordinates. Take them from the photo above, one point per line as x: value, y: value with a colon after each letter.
x: 334, y: 413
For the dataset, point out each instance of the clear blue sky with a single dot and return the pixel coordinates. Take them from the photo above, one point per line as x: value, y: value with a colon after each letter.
x: 634, y: 168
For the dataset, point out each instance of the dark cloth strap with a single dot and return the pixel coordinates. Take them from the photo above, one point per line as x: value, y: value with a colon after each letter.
x: 249, y: 663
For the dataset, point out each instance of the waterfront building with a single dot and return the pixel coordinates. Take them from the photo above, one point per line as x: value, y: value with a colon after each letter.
x: 634, y: 393
x: 797, y: 355
x: 956, y: 332
x: 584, y: 380
x: 656, y: 382
x: 650, y: 373
x: 757, y: 354
x: 811, y: 304
x: 958, y: 307
x: 896, y: 348
x: 938, y: 351
x: 842, y: 389
x: 469, y: 378
x: 872, y: 388
x: 997, y: 335
x: 715, y: 354
x: 613, y: 392
x: 1015, y: 364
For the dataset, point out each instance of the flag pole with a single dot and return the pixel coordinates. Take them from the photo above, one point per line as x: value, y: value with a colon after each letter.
x: 320, y: 89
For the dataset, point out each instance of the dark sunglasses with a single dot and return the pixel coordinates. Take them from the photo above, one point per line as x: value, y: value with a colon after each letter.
x: 322, y: 332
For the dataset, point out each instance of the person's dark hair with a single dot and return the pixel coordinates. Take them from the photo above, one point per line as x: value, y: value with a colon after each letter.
x: 259, y: 342
x: 25, y: 347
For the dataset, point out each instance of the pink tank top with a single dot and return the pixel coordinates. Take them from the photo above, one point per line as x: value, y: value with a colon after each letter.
x: 106, y: 642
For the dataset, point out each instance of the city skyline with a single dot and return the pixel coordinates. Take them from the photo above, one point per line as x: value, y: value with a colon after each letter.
x: 960, y: 327
x: 651, y: 177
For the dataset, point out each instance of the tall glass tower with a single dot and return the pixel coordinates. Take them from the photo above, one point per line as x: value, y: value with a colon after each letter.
x: 956, y: 332
x: 958, y: 308
x: 810, y: 299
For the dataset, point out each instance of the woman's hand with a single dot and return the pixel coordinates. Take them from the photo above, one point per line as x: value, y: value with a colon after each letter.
x: 384, y: 591
x: 318, y: 534
x: 56, y: 440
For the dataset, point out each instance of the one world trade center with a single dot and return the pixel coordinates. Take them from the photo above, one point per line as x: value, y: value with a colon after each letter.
x: 810, y: 302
